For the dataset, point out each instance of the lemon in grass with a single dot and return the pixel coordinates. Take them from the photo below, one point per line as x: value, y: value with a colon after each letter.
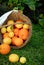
x: 23, y: 60
x: 13, y: 58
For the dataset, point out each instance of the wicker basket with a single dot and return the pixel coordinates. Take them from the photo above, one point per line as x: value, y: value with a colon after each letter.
x: 15, y: 16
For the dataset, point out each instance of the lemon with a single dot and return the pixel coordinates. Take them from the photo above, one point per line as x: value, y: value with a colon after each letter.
x: 19, y: 25
x: 22, y: 60
x: 7, y: 40
x: 10, y: 22
x: 3, y: 30
x: 13, y: 58
x: 26, y: 26
x: 11, y: 34
x: 9, y: 28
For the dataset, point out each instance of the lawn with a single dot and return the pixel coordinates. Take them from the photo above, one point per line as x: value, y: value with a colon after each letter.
x: 33, y: 51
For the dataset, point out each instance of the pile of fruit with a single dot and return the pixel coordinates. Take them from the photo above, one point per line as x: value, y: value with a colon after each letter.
x: 5, y: 49
x: 15, y: 34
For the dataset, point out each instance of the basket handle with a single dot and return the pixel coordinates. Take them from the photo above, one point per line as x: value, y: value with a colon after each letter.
x: 15, y: 23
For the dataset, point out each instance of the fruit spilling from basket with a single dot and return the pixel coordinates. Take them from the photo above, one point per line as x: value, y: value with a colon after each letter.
x: 16, y: 34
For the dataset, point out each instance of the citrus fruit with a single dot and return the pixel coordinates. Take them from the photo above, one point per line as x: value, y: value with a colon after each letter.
x: 16, y: 31
x: 19, y: 21
x: 13, y: 58
x: 10, y: 22
x: 18, y: 41
x: 26, y: 26
x: 22, y: 60
x: 9, y: 28
x: 0, y: 48
x: 23, y: 34
x: 7, y: 40
x: 4, y: 48
x: 5, y: 35
x: 19, y: 25
x: 13, y: 40
x: 3, y: 30
x: 11, y: 34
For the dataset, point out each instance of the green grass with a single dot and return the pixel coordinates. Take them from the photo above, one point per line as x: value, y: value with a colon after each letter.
x: 33, y: 51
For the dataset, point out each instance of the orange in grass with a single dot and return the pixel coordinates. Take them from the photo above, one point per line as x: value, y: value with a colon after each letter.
x: 23, y: 34
x: 4, y: 48
x: 16, y: 31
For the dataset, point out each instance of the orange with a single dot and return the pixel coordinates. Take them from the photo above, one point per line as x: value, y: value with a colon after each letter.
x: 18, y: 41
x: 16, y: 31
x: 5, y: 35
x: 4, y: 48
x: 0, y: 47
x: 19, y: 21
x: 23, y: 34
x: 13, y: 40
